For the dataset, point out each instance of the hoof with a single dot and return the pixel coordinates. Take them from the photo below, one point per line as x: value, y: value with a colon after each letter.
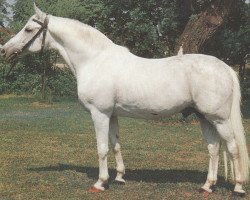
x: 204, y: 192
x: 95, y: 190
x: 238, y: 194
x: 116, y: 182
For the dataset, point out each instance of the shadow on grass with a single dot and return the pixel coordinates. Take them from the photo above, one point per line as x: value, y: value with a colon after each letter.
x: 144, y: 175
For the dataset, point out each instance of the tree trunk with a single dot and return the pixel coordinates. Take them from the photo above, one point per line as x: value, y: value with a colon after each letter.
x: 203, y: 27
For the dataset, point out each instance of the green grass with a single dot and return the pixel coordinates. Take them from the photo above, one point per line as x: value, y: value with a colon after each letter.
x: 49, y: 152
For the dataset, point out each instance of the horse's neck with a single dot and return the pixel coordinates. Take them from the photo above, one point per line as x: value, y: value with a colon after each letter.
x: 77, y: 43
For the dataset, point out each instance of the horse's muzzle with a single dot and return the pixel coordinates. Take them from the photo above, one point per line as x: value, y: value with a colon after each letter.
x: 9, y: 54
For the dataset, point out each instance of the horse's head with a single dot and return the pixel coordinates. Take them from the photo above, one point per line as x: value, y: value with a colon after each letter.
x: 32, y: 38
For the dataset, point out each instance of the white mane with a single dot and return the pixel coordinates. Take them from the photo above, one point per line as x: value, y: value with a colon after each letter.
x: 79, y: 29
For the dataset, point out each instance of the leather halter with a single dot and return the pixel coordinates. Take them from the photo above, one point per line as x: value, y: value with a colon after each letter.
x: 43, y: 29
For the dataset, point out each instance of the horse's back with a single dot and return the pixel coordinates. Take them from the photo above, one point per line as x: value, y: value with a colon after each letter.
x: 166, y: 86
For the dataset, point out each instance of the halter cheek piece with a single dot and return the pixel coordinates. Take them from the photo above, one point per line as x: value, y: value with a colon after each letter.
x: 43, y: 29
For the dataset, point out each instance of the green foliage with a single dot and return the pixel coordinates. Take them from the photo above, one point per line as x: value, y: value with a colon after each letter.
x: 3, y: 12
x: 148, y: 29
x: 233, y: 45
x: 30, y: 75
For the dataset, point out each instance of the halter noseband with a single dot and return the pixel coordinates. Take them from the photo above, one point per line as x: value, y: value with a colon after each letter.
x: 43, y: 29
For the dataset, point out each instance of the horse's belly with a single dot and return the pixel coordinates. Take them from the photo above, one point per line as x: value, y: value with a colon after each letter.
x: 141, y: 114
x: 146, y: 113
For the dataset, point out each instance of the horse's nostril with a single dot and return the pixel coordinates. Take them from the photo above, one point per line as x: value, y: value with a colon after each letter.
x: 2, y: 52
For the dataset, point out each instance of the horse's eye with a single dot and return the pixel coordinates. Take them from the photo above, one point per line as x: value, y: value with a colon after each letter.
x: 28, y: 29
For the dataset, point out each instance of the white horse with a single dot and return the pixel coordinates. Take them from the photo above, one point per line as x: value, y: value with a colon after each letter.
x: 113, y: 82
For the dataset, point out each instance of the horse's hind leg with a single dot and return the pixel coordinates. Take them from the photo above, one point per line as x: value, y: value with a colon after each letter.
x: 225, y: 130
x: 213, y: 141
x: 114, y: 139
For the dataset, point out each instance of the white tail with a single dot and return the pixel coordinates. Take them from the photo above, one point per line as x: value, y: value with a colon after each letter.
x: 238, y: 129
x: 180, y: 52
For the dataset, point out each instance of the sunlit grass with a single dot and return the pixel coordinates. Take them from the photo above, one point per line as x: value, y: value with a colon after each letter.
x: 48, y: 151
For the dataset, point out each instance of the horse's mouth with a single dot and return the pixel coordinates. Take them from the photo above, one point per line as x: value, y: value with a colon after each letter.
x: 12, y: 57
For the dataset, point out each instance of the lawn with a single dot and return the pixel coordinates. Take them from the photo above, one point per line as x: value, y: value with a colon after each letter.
x: 48, y: 151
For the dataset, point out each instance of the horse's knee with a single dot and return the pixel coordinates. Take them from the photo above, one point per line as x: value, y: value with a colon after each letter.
x: 103, y: 151
x: 213, y: 150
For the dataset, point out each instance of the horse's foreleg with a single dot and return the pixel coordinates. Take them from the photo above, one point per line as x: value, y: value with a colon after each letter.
x: 213, y: 141
x: 101, y: 123
x: 114, y: 138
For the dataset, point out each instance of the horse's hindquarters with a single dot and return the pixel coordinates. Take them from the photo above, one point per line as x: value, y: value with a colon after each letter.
x: 212, y: 90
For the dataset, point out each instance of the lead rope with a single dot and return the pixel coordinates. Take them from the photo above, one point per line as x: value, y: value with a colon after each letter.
x: 45, y: 24
x: 44, y: 63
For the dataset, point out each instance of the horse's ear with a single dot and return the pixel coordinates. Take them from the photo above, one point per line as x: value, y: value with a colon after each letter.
x: 40, y: 14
